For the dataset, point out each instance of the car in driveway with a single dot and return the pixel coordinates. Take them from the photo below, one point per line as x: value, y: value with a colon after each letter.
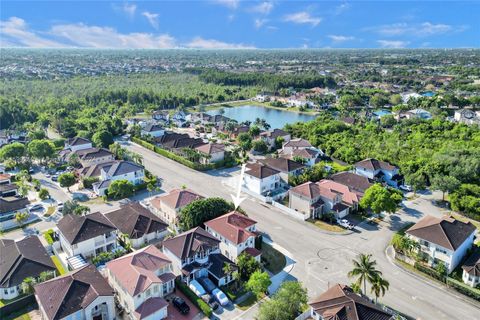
x: 406, y: 188
x: 346, y: 224
x: 207, y: 284
x: 221, y: 297
x: 36, y: 207
x: 208, y: 299
x: 197, y: 288
x: 181, y: 305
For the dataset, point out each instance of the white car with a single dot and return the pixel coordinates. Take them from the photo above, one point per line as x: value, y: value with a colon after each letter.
x: 197, y: 288
x: 221, y: 297
x: 405, y: 187
x: 346, y: 224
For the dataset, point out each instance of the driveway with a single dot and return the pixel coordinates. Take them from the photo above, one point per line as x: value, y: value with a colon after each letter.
x: 173, y: 312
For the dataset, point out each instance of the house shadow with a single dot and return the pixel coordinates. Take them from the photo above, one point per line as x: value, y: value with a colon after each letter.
x: 396, y: 223
x: 367, y: 226
x: 413, y: 212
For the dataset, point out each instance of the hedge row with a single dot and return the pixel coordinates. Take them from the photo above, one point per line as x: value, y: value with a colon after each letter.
x: 463, y: 288
x: 176, y: 157
x: 431, y: 272
x: 48, y: 235
x: 196, y: 300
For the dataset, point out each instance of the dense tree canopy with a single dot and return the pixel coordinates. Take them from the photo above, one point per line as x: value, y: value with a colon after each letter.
x: 199, y: 211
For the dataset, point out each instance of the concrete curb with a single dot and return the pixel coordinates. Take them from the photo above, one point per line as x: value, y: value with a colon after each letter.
x: 391, y: 259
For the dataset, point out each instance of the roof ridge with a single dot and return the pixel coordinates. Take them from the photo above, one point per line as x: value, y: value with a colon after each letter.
x: 446, y: 235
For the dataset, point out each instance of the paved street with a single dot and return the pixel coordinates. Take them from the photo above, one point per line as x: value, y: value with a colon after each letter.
x: 321, y: 258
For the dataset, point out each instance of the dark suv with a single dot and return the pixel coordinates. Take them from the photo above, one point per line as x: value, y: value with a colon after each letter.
x: 181, y: 305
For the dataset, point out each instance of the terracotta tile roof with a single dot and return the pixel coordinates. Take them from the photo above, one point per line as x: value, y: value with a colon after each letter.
x: 348, y: 196
x: 446, y: 232
x: 374, y: 164
x: 211, y: 148
x: 4, y: 176
x: 135, y: 220
x: 76, y: 229
x: 341, y: 303
x: 176, y: 199
x: 22, y: 259
x: 149, y: 307
x: 282, y: 164
x: 253, y: 252
x: 62, y: 296
x: 298, y: 143
x: 187, y: 244
x: 136, y: 272
x: 233, y: 226
x: 472, y: 264
x: 308, y: 189
x: 354, y: 181
x: 260, y: 171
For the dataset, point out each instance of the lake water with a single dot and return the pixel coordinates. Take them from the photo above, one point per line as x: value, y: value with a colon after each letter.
x: 275, y: 118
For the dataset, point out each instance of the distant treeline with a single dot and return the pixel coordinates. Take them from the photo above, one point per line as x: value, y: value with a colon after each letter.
x: 264, y: 80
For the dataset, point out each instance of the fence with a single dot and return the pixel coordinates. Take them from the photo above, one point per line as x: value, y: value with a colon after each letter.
x: 24, y: 303
x: 292, y: 213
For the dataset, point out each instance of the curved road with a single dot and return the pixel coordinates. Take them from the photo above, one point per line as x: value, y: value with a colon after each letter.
x: 323, y: 259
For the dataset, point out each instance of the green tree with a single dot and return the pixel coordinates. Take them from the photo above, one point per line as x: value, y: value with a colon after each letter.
x: 247, y: 265
x: 254, y: 131
x: 444, y: 184
x: 441, y: 268
x: 66, y: 180
x: 260, y: 146
x: 43, y: 194
x: 199, y: 211
x: 74, y: 160
x: 73, y: 207
x: 466, y: 199
x: 13, y: 151
x: 379, y: 287
x: 258, y: 283
x: 245, y: 141
x: 21, y: 218
x: 41, y: 150
x: 365, y: 271
x: 380, y: 199
x: 416, y: 180
x: 102, y: 139
x: 120, y: 189
x: 289, y: 301
x: 27, y: 285
x: 45, y: 276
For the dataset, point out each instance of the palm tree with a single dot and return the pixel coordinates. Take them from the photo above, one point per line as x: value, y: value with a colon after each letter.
x: 364, y: 269
x: 379, y: 287
x: 21, y: 218
x: 45, y: 275
x: 27, y: 285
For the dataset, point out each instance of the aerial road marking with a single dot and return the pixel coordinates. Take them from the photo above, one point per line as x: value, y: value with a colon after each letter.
x: 236, y: 198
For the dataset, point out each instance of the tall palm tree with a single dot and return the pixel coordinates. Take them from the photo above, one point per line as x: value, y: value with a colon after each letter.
x: 364, y: 269
x: 27, y: 285
x: 379, y: 287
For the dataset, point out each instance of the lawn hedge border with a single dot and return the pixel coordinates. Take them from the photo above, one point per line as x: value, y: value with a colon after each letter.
x: 196, y: 300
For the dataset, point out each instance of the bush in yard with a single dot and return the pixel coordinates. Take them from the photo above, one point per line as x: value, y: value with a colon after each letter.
x: 199, y: 211
x: 66, y: 180
x: 289, y: 301
x: 48, y: 235
x: 196, y: 300
x: 43, y: 194
x: 88, y: 182
x: 260, y: 146
x: 258, y: 283
x: 247, y: 265
x: 120, y: 189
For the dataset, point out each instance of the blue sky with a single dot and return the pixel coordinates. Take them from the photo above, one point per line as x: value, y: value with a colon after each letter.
x: 213, y: 24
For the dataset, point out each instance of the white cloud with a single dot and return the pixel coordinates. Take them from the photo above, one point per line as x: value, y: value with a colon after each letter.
x: 129, y: 9
x: 394, y: 44
x: 415, y: 29
x: 260, y: 22
x: 339, y: 38
x: 263, y: 8
x: 202, y: 43
x: 342, y: 8
x: 302, y: 17
x: 15, y: 32
x: 232, y: 4
x: 152, y: 18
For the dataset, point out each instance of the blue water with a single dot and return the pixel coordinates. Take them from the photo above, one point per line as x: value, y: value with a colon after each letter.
x: 275, y: 118
x: 381, y: 113
x: 428, y: 94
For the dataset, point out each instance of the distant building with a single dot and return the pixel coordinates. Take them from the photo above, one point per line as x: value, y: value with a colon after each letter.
x: 471, y: 269
x: 153, y: 130
x: 119, y: 170
x: 380, y: 171
x: 212, y: 152
x: 270, y: 137
x: 168, y: 206
x: 78, y: 143
x: 467, y: 116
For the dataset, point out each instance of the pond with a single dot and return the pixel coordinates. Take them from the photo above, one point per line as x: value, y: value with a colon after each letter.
x: 276, y: 118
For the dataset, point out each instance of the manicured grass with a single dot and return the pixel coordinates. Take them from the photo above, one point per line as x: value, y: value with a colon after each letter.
x: 272, y: 259
x: 50, y: 211
x: 326, y: 226
x: 59, y: 265
x: 248, y: 302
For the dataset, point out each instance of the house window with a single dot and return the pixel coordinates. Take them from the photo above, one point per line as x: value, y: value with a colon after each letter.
x: 155, y: 289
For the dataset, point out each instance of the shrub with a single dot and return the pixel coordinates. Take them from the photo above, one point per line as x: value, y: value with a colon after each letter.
x: 48, y: 235
x: 429, y: 271
x: 88, y: 182
x: 463, y: 288
x: 196, y: 300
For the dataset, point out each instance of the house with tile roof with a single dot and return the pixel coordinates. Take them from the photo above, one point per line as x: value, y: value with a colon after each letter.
x: 270, y: 137
x: 77, y: 143
x: 354, y: 181
x: 81, y: 294
x: 471, y: 269
x: 211, y: 152
x: 286, y: 167
x: 86, y: 235
x: 445, y: 240
x: 379, y: 171
x: 196, y: 254
x: 340, y: 302
x: 119, y: 170
x: 261, y: 179
x: 19, y: 260
x: 153, y: 130
x: 138, y: 223
x: 237, y: 234
x: 168, y: 206
x: 141, y: 280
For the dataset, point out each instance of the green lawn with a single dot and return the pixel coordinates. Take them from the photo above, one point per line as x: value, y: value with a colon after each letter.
x: 248, y: 302
x: 272, y: 259
x: 326, y: 226
x: 59, y: 265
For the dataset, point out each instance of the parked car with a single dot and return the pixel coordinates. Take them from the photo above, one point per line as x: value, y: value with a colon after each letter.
x: 210, y: 301
x: 346, y: 224
x: 55, y: 177
x: 221, y: 297
x: 181, y: 305
x: 60, y: 206
x: 36, y: 207
x: 207, y: 284
x: 197, y: 288
x: 405, y: 187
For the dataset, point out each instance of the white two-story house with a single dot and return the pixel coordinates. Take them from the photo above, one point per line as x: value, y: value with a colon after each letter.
x: 141, y: 280
x: 78, y: 143
x: 119, y: 170
x: 380, y: 171
x: 168, y: 206
x: 261, y: 179
x: 471, y: 269
x: 82, y: 294
x: 196, y: 254
x: 443, y: 240
x: 86, y: 235
x: 236, y: 233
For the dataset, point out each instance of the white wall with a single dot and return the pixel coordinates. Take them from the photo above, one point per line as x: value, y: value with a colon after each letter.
x: 260, y: 186
x: 87, y: 248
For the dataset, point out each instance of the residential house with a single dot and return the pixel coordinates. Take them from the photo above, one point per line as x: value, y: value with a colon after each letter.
x: 19, y: 260
x: 94, y: 170
x: 285, y: 167
x: 119, y: 170
x: 10, y: 206
x: 5, y: 178
x: 270, y: 137
x: 86, y: 235
x: 212, y: 152
x: 8, y: 190
x: 77, y: 143
x: 471, y: 269
x: 92, y: 156
x: 306, y: 198
x: 293, y: 144
x: 82, y: 294
x: 354, y: 181
x: 418, y: 114
x: 237, y: 234
x: 196, y: 254
x: 168, y: 137
x: 341, y: 302
x: 179, y: 118
x: 141, y: 280
x: 308, y: 156
x: 138, y: 223
x: 380, y: 171
x: 168, y: 206
x: 160, y: 116
x: 467, y: 116
x: 261, y: 179
x: 153, y: 130
x: 443, y: 240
